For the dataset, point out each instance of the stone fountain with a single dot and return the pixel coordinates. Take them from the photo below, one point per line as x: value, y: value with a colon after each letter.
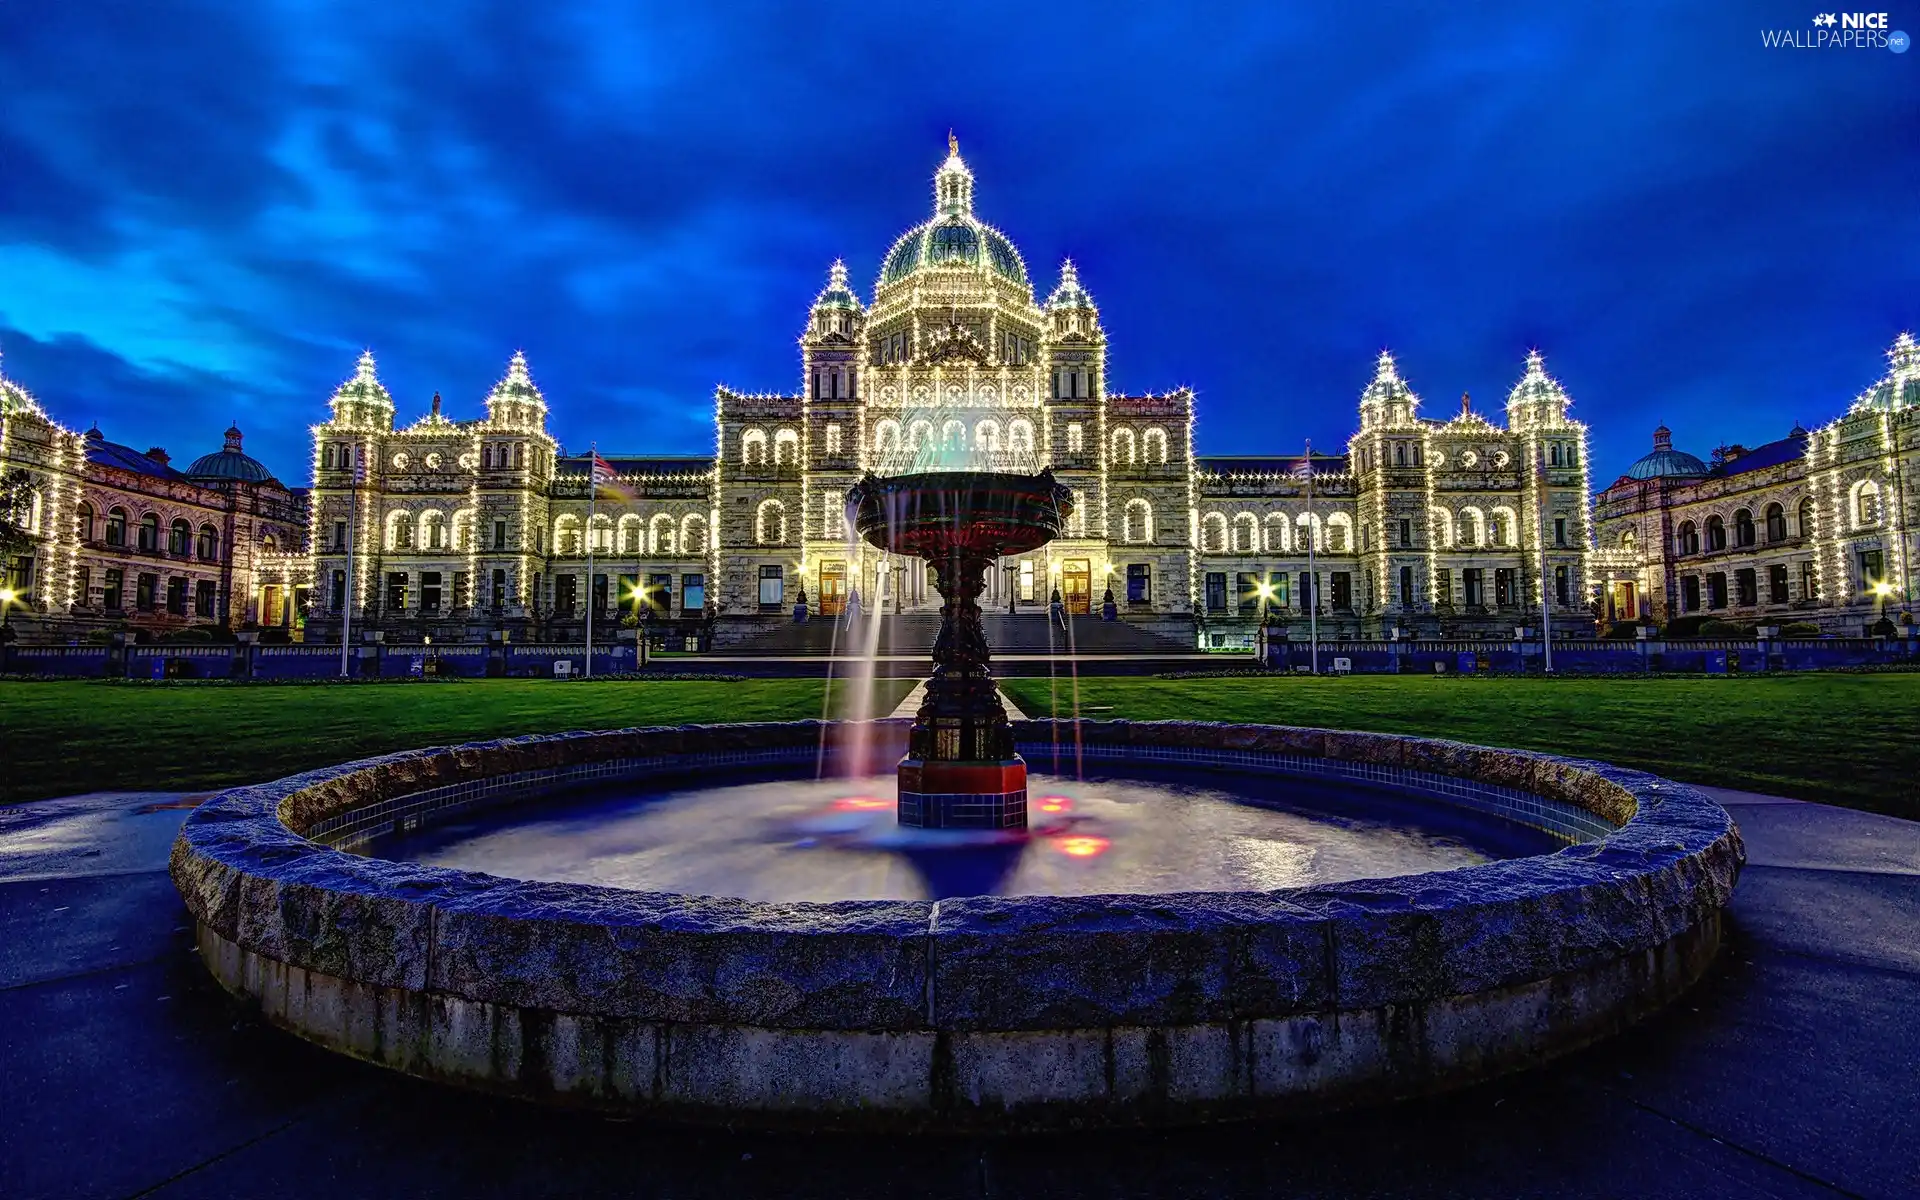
x: 960, y: 771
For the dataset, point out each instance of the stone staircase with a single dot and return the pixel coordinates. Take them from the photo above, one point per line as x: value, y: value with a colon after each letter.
x: 912, y: 634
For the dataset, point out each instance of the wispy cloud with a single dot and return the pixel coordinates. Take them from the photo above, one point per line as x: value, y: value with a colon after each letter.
x: 207, y: 210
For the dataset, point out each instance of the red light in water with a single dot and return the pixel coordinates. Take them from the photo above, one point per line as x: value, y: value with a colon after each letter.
x: 1054, y: 804
x: 860, y: 803
x: 1082, y: 846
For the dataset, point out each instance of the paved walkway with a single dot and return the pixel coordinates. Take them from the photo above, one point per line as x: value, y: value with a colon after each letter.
x: 1793, y: 1071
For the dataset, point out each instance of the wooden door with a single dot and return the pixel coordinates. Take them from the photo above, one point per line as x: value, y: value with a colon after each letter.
x: 833, y: 588
x: 1076, y: 585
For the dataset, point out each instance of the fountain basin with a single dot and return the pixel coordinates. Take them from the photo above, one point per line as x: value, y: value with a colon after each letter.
x: 983, y: 1012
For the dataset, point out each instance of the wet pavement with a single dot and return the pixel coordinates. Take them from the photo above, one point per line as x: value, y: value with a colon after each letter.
x: 124, y: 1071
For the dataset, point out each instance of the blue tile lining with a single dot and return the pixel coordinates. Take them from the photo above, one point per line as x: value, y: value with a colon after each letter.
x: 406, y: 814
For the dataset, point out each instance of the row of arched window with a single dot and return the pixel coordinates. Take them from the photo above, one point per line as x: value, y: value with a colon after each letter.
x: 182, y: 539
x: 662, y: 533
x: 1245, y: 533
x: 890, y: 438
x: 1149, y: 447
x: 430, y: 530
x: 1713, y: 534
x: 785, y: 447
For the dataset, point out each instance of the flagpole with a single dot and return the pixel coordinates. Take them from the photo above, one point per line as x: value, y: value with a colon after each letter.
x: 346, y: 610
x: 1313, y: 575
x: 593, y: 501
x: 1546, y: 598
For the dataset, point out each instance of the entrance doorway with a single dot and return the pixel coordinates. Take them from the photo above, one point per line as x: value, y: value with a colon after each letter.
x: 1620, y: 602
x: 833, y: 588
x: 1076, y: 585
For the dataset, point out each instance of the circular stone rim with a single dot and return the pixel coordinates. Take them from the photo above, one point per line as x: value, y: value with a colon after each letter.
x: 981, y: 1012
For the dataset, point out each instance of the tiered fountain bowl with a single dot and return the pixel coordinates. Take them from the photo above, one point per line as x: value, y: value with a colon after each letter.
x: 961, y: 770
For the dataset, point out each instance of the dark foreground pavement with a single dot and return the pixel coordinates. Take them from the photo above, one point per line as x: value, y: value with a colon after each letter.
x: 1794, y: 1070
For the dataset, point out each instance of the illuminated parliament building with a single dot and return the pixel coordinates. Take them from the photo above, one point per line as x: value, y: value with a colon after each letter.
x: 1461, y: 526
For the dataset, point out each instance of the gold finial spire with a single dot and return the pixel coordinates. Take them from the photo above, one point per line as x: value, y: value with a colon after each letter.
x: 953, y: 144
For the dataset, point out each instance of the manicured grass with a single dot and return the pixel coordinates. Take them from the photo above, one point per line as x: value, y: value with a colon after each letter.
x: 1844, y: 739
x: 63, y: 738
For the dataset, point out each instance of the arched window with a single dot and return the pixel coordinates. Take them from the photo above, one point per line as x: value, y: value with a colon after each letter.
x: 1339, y: 533
x: 1686, y: 539
x: 833, y: 515
x: 600, y: 536
x: 660, y: 534
x: 753, y: 448
x: 433, y: 531
x: 326, y: 457
x: 179, y: 537
x: 953, y: 436
x: 1077, y: 519
x: 1776, y: 523
x: 1472, y: 527
x: 1123, y: 446
x: 1506, y: 527
x: 1716, y: 533
x: 486, y: 456
x: 1866, y: 504
x: 1309, y: 527
x: 1440, y: 527
x: 770, y: 523
x: 693, y: 534
x: 1153, y: 445
x: 1627, y: 540
x: 1400, y: 454
x: 1136, y: 523
x: 986, y: 436
x: 399, y: 531
x: 208, y: 548
x: 1277, y: 540
x: 566, y: 535
x: 1213, y: 533
x: 520, y: 456
x: 463, y: 530
x: 83, y: 522
x: 630, y: 535
x: 116, y: 527
x: 1246, y: 533
x: 269, y: 544
x: 1806, y: 516
x: 1553, y: 455
x: 1020, y: 436
x: 1743, y: 528
x: 919, y: 434
x: 786, y: 448
x: 886, y: 436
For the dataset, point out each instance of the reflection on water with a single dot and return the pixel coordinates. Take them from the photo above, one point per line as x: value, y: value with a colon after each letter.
x: 836, y: 839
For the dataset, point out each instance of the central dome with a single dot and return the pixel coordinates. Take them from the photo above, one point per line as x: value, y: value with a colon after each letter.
x: 954, y: 237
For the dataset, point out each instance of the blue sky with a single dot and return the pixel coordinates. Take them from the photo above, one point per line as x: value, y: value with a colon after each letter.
x: 206, y: 211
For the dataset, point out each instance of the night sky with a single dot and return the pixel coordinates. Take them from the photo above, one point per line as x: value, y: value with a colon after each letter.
x: 206, y: 212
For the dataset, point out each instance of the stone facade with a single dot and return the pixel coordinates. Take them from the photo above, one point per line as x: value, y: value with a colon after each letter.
x: 1436, y: 527
x: 123, y: 540
x: 1818, y: 527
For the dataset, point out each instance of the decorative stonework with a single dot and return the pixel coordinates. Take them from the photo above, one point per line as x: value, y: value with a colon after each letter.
x: 988, y: 1011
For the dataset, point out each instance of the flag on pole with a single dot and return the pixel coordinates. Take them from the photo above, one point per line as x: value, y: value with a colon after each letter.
x: 603, y: 472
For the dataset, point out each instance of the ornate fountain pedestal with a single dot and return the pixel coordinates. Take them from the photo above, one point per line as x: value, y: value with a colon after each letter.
x: 961, y: 771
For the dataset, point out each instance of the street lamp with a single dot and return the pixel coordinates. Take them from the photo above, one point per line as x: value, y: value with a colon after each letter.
x: 6, y: 602
x: 1881, y: 590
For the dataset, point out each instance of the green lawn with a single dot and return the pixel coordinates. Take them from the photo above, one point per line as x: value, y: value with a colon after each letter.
x: 1845, y: 739
x: 63, y: 738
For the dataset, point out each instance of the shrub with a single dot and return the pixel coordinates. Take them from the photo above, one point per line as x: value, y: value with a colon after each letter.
x: 1685, y: 627
x: 1725, y: 629
x: 1800, y: 629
